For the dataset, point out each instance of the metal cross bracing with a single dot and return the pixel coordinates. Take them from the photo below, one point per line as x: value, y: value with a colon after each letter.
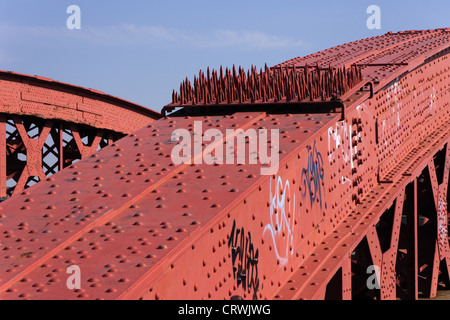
x: 47, y: 125
x: 363, y: 187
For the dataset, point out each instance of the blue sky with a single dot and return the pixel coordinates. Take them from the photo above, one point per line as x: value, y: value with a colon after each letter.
x: 141, y: 50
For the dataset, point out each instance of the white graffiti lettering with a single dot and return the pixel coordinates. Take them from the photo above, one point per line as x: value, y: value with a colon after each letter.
x: 282, y: 217
x: 341, y: 137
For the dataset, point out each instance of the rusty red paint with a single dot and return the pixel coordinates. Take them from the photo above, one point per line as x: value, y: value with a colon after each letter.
x: 46, y: 125
x: 140, y: 226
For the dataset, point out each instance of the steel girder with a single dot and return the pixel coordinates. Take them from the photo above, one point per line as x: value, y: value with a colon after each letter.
x: 47, y: 125
x: 363, y: 187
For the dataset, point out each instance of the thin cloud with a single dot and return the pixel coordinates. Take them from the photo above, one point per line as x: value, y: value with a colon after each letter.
x: 130, y: 34
x: 26, y: 34
x: 247, y: 39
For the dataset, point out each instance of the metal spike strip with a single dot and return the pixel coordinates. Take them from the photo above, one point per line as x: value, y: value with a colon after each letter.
x: 310, y: 83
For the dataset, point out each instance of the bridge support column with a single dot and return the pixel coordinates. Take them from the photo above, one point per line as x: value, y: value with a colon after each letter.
x: 411, y: 238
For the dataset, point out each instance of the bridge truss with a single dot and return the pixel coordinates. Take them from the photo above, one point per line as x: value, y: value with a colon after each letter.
x: 361, y: 188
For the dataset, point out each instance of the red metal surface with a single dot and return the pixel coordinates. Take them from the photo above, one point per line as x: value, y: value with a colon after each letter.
x: 47, y: 125
x: 360, y: 188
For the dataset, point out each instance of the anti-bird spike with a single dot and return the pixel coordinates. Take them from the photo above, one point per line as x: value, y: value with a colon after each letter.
x: 279, y: 85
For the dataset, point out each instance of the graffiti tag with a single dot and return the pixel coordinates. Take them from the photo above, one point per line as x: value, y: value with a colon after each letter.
x: 312, y: 177
x: 442, y: 224
x: 282, y: 215
x: 245, y: 260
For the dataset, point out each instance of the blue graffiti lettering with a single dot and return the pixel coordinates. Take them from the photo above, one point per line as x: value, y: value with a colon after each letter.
x: 312, y: 177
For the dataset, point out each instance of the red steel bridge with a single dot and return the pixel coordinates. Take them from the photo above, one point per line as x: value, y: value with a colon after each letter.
x: 357, y: 208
